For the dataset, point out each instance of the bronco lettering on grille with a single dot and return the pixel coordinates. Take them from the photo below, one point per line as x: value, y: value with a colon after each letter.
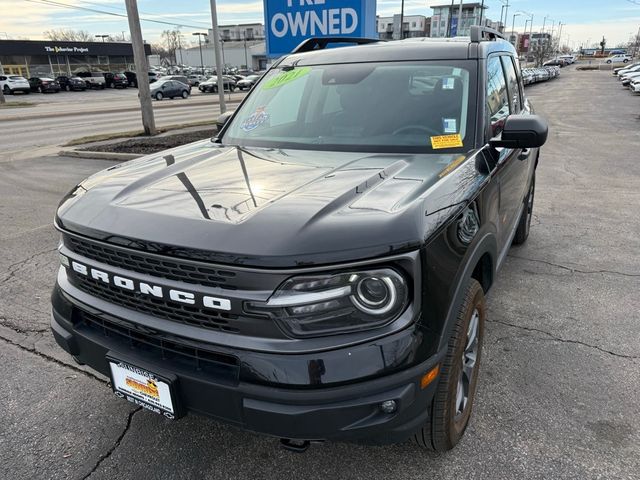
x: 143, y: 288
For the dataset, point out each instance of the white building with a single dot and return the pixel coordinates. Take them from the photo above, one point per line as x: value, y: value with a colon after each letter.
x: 241, y: 54
x: 412, y: 26
x: 249, y: 31
x: 471, y: 13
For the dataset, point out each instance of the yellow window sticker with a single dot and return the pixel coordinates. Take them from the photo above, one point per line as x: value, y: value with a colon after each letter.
x: 446, y: 141
x: 286, y: 77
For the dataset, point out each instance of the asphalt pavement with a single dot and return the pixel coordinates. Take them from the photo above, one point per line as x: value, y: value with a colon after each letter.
x: 559, y: 393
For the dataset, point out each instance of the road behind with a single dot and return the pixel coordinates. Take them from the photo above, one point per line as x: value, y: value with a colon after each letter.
x: 560, y: 380
x: 41, y: 130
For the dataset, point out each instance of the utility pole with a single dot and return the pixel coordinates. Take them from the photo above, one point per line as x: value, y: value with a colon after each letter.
x: 218, y: 54
x: 2, y: 99
x: 142, y: 69
x: 401, y: 20
x: 458, y: 30
x: 246, y: 60
x: 481, y: 13
x: 200, y: 35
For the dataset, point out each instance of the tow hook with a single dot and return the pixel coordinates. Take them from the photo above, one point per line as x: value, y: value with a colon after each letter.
x: 297, y: 446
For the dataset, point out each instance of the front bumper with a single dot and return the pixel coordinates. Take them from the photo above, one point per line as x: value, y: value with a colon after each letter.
x: 239, y: 387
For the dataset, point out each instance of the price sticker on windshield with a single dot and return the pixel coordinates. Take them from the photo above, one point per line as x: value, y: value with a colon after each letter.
x: 286, y: 77
x: 446, y: 141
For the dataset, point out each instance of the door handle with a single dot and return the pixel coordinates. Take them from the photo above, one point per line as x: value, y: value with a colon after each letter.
x: 524, y: 154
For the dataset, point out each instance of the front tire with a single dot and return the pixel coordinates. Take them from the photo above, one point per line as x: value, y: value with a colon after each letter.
x: 185, y: 94
x: 524, y: 225
x: 452, y: 403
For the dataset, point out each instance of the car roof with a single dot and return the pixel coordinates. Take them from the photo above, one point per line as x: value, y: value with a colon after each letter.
x: 457, y: 48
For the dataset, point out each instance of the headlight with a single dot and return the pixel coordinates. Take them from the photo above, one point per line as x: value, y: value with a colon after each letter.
x: 318, y: 305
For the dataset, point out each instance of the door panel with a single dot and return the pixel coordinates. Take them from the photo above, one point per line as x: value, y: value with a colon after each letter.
x: 503, y: 99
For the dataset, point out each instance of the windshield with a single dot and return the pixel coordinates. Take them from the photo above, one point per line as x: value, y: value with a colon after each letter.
x: 371, y: 107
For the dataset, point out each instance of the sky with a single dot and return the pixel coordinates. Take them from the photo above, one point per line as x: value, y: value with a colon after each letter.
x: 586, y: 20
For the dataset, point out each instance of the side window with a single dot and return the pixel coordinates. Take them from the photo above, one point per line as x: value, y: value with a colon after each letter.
x: 497, y: 95
x: 512, y: 82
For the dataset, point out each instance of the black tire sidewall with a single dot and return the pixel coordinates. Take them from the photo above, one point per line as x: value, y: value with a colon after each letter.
x: 447, y: 430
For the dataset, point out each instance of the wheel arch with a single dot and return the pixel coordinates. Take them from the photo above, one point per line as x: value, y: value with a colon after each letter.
x: 480, y: 265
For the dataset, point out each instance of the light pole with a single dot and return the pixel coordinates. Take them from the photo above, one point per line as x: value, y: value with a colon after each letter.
x: 224, y: 63
x: 102, y: 37
x: 200, y: 35
x: 246, y: 60
x: 513, y: 30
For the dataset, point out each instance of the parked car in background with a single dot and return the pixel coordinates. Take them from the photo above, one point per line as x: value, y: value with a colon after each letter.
x: 617, y: 70
x: 71, y: 83
x: 555, y: 62
x: 43, y: 85
x: 178, y: 78
x: 619, y: 59
x: 93, y: 79
x: 626, y: 79
x: 132, y: 78
x: 10, y: 84
x: 211, y: 85
x: 154, y: 77
x: 248, y: 82
x: 195, y: 80
x: 568, y: 59
x: 116, y: 80
x: 625, y: 71
x: 169, y: 89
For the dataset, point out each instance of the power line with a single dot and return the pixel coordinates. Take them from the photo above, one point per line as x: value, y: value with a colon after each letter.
x: 113, y: 14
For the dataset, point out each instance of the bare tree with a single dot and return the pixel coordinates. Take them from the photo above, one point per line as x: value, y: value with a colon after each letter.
x: 68, y: 35
x: 542, y: 51
x: 171, y: 41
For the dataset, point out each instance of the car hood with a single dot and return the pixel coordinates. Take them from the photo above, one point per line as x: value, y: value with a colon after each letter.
x: 268, y: 207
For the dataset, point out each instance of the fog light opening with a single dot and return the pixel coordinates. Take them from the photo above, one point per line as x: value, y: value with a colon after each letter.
x: 389, y: 406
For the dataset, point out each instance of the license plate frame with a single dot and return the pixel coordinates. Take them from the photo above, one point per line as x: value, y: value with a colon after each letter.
x: 144, y: 386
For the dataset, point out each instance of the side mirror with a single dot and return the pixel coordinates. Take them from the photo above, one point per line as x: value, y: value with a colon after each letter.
x: 223, y: 119
x: 522, y: 131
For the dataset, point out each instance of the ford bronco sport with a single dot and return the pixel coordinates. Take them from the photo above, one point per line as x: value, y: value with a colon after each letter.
x: 318, y: 270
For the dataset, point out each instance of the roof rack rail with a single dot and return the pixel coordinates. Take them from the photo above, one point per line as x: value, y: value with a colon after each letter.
x: 320, y: 43
x: 478, y: 34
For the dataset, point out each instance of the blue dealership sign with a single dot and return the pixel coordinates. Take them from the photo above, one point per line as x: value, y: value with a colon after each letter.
x: 289, y: 22
x: 454, y: 27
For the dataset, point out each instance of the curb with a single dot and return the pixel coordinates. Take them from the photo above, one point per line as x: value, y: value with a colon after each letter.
x: 98, y: 155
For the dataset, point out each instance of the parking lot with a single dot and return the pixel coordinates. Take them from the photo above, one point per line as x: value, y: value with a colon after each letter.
x: 559, y: 394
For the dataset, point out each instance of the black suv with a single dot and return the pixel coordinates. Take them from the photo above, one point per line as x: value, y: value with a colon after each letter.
x: 318, y: 270
x: 115, y: 80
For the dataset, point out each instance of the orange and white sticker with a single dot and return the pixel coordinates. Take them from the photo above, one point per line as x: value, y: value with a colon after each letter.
x: 446, y: 141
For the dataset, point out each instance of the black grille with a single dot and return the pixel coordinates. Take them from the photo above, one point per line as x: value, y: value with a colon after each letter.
x: 164, y: 348
x: 169, y: 268
x: 156, y: 307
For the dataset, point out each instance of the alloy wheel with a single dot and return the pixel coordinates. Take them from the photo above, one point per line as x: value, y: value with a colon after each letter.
x: 469, y: 357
